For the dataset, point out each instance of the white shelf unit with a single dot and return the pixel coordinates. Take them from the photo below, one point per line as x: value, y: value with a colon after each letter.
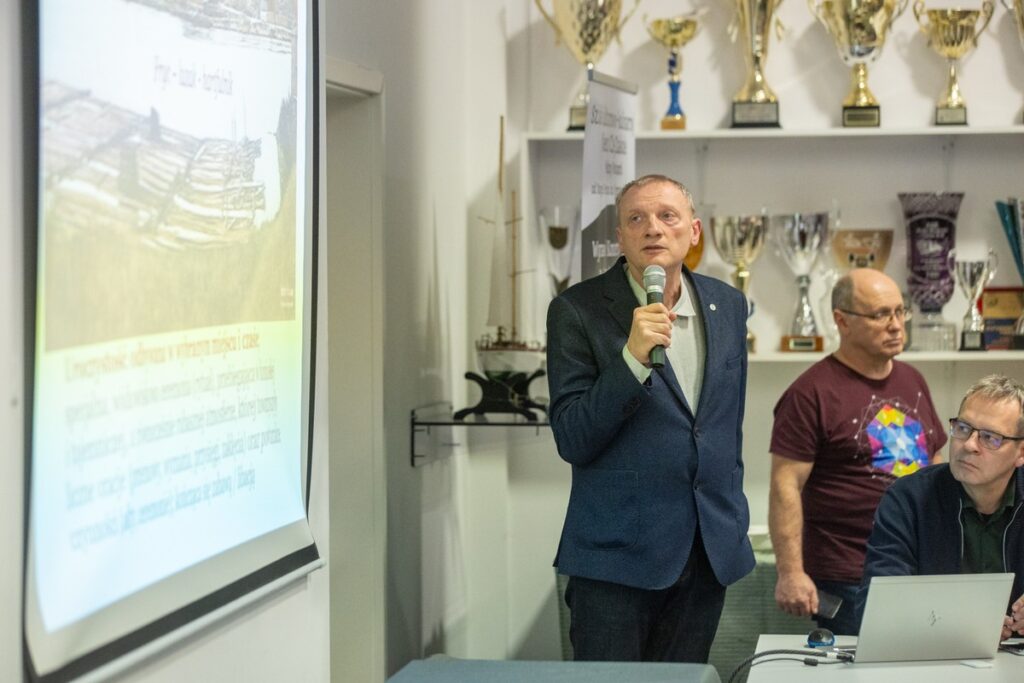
x: 782, y: 133
x: 857, y: 171
x: 861, y: 171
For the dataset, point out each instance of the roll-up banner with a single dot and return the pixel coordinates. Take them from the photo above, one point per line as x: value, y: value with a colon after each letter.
x: 609, y: 162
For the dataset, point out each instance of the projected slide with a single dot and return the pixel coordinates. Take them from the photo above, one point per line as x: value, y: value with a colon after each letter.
x: 172, y: 312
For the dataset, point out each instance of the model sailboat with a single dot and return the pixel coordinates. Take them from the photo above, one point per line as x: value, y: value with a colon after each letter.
x: 508, y: 363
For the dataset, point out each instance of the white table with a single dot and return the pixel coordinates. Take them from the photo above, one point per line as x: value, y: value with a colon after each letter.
x: 442, y: 669
x: 1006, y: 668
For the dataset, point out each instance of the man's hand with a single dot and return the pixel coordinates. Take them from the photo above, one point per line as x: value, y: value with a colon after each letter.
x: 1014, y: 624
x: 652, y: 326
x: 796, y: 594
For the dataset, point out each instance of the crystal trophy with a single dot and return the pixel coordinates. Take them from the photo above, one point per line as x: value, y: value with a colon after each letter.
x: 930, y: 219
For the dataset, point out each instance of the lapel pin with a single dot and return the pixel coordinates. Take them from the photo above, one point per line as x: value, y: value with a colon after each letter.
x: 713, y: 307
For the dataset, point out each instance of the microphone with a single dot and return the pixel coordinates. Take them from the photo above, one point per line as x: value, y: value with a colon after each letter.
x: 654, y: 285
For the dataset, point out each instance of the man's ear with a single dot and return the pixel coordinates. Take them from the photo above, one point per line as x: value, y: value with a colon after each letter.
x: 839, y: 319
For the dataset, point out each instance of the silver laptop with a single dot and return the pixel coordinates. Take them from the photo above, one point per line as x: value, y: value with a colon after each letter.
x: 922, y: 618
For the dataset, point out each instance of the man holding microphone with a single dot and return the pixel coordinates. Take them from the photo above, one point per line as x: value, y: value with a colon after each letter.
x: 647, y: 402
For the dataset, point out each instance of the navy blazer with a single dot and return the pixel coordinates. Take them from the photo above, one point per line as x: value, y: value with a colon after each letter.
x: 646, y: 471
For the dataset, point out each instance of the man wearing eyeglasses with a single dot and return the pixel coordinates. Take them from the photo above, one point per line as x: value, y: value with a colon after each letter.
x: 964, y: 517
x: 843, y: 432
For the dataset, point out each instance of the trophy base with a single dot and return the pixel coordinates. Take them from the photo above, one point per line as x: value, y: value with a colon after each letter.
x: 950, y: 116
x: 1017, y: 342
x: 674, y: 122
x: 862, y: 117
x: 577, y: 118
x: 934, y: 334
x: 972, y: 341
x: 798, y: 343
x: 755, y: 115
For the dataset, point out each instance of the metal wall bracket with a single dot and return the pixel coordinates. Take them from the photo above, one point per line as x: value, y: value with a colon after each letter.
x: 432, y: 431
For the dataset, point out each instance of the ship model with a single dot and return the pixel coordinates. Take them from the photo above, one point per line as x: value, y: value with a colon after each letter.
x: 508, y: 364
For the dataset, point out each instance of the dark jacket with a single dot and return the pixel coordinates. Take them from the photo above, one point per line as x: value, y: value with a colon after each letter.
x: 918, y: 529
x: 646, y: 471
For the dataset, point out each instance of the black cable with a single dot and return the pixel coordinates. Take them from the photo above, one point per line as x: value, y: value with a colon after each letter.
x: 805, y: 656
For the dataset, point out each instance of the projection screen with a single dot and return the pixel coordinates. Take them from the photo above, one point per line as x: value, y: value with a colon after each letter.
x: 172, y: 319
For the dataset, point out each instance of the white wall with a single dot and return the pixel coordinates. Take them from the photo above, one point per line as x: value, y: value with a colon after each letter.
x: 444, y: 89
x: 11, y: 330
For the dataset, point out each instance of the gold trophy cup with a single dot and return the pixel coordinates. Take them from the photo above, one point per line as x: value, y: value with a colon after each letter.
x: 858, y: 28
x: 673, y: 33
x: 1017, y: 10
x: 755, y: 105
x: 951, y: 33
x: 739, y: 240
x: 586, y: 27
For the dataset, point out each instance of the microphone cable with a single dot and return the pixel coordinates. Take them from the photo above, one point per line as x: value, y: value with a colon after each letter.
x: 805, y: 656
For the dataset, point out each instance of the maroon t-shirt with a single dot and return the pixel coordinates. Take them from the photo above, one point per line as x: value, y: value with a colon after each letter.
x: 860, y: 434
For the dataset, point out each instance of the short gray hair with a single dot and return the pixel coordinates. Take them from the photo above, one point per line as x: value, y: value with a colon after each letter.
x: 649, y: 179
x: 842, y: 293
x: 999, y: 388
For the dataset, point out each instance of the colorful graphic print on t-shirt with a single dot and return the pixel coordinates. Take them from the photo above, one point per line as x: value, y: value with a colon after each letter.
x: 897, y: 440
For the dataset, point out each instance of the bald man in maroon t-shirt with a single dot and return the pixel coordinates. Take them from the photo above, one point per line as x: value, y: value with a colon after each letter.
x: 844, y: 430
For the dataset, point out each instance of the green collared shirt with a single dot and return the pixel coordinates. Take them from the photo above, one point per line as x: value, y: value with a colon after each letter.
x: 983, y: 534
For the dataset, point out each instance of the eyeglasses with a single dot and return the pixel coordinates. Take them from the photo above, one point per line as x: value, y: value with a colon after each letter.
x: 961, y: 431
x: 884, y: 315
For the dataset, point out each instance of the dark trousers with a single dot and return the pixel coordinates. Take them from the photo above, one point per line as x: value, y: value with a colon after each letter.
x: 612, y: 622
x: 846, y: 621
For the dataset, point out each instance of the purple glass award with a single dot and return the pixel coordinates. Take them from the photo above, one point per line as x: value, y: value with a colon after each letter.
x: 931, y: 235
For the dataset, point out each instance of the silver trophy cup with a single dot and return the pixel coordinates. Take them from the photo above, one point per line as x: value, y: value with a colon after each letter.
x: 973, y: 276
x: 800, y: 238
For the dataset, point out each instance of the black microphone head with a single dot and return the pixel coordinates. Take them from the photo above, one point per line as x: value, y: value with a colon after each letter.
x: 654, y: 279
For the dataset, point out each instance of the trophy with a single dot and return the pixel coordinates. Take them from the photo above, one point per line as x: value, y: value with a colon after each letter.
x: 858, y: 29
x: 1017, y: 10
x: 755, y: 105
x: 930, y: 219
x: 861, y: 248
x: 1011, y: 215
x: 800, y: 238
x: 586, y: 27
x: 560, y: 236
x: 973, y: 276
x: 674, y: 33
x: 739, y: 240
x: 951, y: 33
x: 851, y: 249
